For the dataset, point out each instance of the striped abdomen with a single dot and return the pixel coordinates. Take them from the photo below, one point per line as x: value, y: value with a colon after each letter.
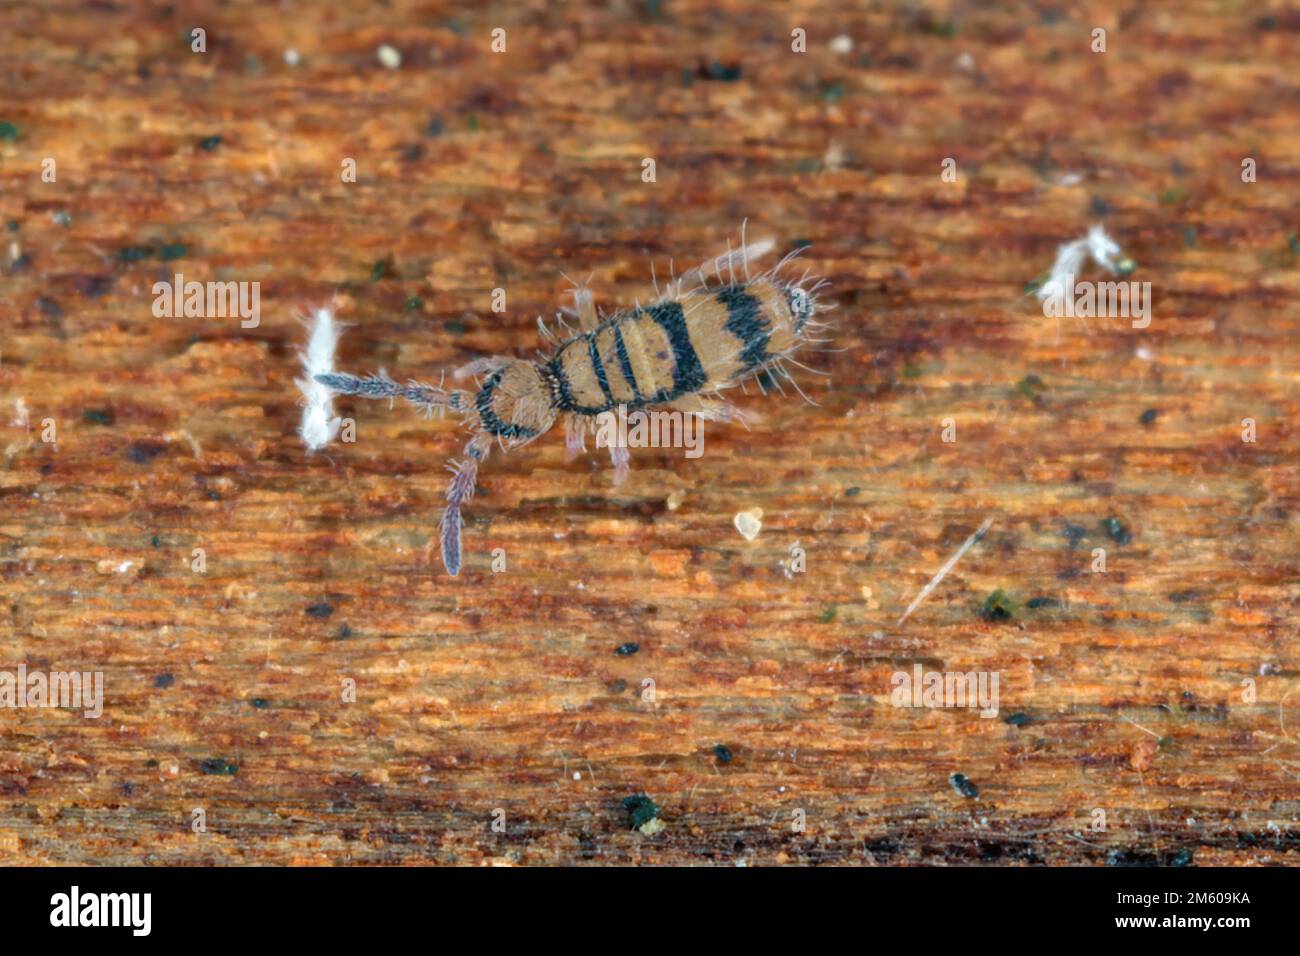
x: 704, y: 340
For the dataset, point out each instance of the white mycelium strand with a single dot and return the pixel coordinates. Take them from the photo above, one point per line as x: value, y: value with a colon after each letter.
x: 1098, y: 246
x: 947, y: 566
x: 319, y: 423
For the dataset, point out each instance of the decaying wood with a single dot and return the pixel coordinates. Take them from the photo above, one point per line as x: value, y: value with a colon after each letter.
x: 1160, y: 693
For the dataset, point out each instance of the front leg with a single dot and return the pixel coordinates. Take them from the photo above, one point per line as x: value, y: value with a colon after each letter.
x: 584, y: 305
x: 608, y: 435
x: 575, y: 436
x: 479, y: 367
x: 618, y: 454
x: 588, y: 319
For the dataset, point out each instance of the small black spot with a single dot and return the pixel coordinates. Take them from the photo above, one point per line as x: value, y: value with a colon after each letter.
x: 624, y: 650
x: 134, y: 253
x: 617, y: 686
x: 156, y: 541
x: 49, y: 307
x: 1017, y: 719
x: 1116, y: 531
x: 259, y: 703
x: 171, y: 251
x: 164, y: 681
x: 98, y: 416
x: 219, y: 766
x: 962, y: 785
x: 1074, y: 533
x: 852, y: 492
x: 1029, y: 387
x: 1100, y: 207
x: 640, y: 810
x: 998, y: 606
x: 321, y: 610
x: 142, y: 452
x: 8, y: 130
x: 1036, y: 602
x: 725, y: 73
x: 433, y: 129
x: 93, y: 287
x: 209, y: 143
x: 344, y: 633
x: 722, y: 752
x: 1125, y: 857
x: 1147, y: 417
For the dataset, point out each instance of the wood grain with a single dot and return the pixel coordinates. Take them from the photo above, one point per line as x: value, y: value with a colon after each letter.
x: 504, y: 691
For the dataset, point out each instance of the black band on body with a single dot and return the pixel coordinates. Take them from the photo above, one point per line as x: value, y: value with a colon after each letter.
x: 746, y: 322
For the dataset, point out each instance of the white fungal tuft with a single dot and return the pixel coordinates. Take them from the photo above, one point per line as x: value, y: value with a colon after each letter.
x: 1098, y: 246
x: 319, y: 423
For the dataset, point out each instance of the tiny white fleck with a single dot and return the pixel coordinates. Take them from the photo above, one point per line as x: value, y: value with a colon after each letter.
x: 842, y: 44
x: 292, y: 57
x: 390, y: 57
x: 749, y: 523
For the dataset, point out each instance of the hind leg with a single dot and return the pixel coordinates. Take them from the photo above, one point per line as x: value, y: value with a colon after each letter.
x: 713, y: 410
x: 721, y: 268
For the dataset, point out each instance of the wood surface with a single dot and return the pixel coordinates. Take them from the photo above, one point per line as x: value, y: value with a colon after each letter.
x: 504, y: 691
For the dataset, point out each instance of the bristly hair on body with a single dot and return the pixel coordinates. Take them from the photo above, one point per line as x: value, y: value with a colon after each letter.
x: 713, y: 328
